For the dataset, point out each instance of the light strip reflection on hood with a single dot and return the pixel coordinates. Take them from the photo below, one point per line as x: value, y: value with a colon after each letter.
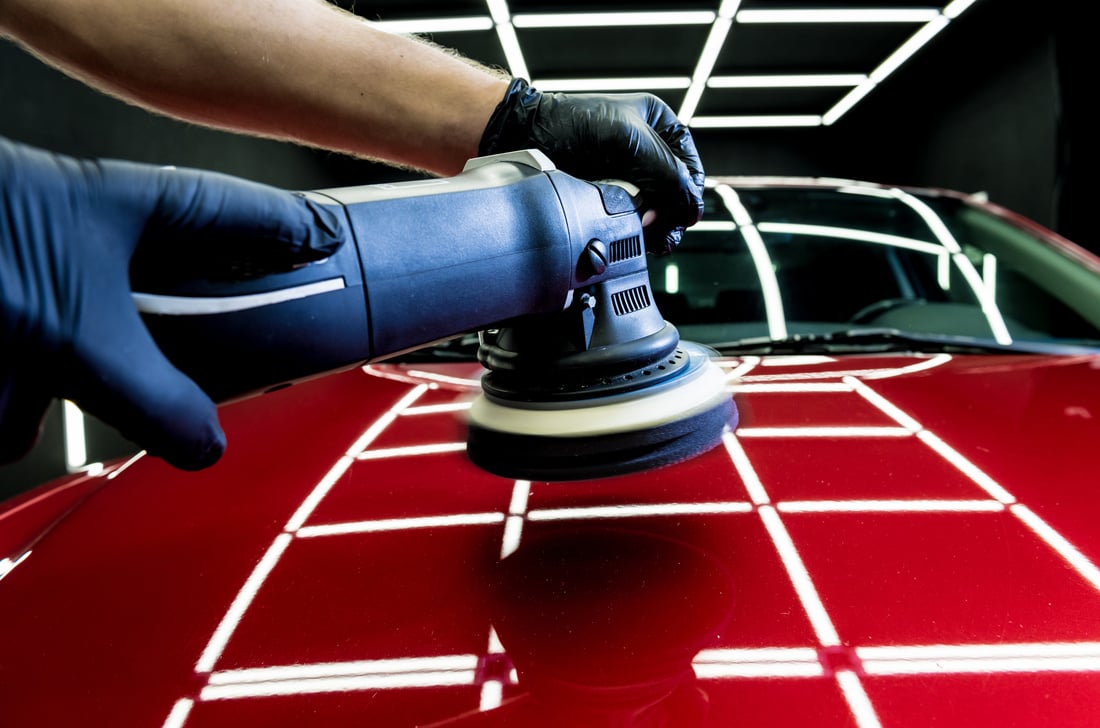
x: 858, y: 701
x: 792, y: 387
x: 401, y: 524
x: 393, y: 666
x: 436, y: 409
x: 397, y: 452
x: 800, y: 577
x: 882, y: 373
x: 8, y: 563
x: 180, y: 711
x: 891, y: 506
x: 758, y: 662
x: 1061, y: 546
x: 823, y: 432
x: 659, y: 509
x: 341, y: 684
x: 994, y: 658
x: 968, y: 468
x: 240, y: 603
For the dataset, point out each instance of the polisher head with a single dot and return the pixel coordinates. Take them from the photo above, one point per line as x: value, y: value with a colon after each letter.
x: 657, y: 415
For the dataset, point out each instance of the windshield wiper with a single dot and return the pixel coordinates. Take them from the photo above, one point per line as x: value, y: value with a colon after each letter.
x: 862, y: 341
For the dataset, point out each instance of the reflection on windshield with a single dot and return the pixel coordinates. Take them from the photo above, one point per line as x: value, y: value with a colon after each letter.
x: 781, y: 261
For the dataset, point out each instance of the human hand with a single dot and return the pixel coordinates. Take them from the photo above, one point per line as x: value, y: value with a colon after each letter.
x: 68, y: 324
x: 633, y: 137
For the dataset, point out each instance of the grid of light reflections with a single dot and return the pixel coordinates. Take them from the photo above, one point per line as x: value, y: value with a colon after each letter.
x: 750, y: 376
x: 925, y: 24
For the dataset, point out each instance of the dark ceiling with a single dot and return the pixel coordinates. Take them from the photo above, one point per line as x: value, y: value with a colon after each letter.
x: 748, y: 83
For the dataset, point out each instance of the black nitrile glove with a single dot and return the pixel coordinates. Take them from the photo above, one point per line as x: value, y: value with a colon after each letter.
x: 633, y: 137
x: 68, y: 324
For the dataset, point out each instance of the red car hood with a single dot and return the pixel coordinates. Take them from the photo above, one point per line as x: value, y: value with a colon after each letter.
x: 883, y: 541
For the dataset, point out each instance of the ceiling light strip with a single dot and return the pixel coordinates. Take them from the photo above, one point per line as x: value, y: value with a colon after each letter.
x: 506, y: 35
x: 747, y: 122
x: 435, y: 25
x: 513, y: 54
x: 957, y: 8
x: 906, y: 50
x: 839, y: 15
x: 887, y: 67
x: 719, y: 31
x: 601, y: 20
x: 640, y: 83
x: 801, y: 80
x: 849, y: 100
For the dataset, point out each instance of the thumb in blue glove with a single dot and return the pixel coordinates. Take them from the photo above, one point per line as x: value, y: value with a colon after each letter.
x: 68, y: 324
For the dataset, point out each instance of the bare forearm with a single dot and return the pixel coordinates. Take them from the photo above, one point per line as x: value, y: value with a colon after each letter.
x: 301, y: 70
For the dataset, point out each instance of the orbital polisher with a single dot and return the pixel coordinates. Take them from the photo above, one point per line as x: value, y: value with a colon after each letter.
x: 584, y: 377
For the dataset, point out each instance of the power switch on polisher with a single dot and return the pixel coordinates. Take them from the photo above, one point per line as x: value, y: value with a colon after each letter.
x: 596, y: 256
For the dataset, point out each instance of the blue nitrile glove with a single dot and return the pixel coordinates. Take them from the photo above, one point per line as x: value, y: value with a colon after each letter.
x: 633, y: 137
x: 68, y: 324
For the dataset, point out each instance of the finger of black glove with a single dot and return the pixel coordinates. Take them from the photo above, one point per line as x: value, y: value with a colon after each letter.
x: 22, y: 408
x: 118, y: 374
x: 263, y: 227
x: 635, y: 137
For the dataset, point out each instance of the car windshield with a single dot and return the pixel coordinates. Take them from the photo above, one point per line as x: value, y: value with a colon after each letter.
x: 789, y: 269
x: 820, y: 268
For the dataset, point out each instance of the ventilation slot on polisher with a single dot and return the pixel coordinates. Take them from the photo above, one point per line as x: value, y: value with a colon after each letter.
x: 625, y: 249
x: 629, y: 301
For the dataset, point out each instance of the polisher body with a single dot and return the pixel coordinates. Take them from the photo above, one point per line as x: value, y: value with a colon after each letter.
x: 551, y: 269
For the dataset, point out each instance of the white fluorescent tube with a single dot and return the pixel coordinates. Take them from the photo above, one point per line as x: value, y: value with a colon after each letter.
x: 435, y: 25
x: 703, y: 67
x: 641, y: 83
x: 594, y: 20
x: 840, y: 15
x: 787, y: 81
x: 745, y: 122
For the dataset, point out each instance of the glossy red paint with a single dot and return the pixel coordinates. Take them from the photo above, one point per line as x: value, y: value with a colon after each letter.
x: 885, y: 540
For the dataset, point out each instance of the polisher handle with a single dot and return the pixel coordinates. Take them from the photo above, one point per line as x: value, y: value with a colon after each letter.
x: 424, y: 260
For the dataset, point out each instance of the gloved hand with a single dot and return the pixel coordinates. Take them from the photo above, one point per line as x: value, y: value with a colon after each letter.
x: 68, y: 324
x: 633, y: 137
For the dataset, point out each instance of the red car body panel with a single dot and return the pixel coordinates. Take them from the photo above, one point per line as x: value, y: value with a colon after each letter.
x: 884, y: 540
